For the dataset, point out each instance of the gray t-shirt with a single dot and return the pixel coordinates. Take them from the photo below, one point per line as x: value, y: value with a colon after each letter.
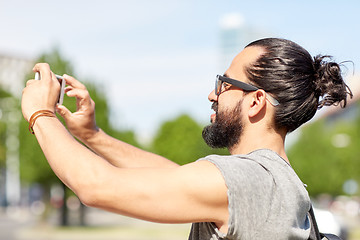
x: 266, y: 199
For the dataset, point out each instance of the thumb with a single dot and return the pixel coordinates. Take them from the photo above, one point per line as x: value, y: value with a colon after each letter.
x: 63, y: 111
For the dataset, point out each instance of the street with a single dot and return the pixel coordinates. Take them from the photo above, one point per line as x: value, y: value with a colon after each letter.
x: 20, y: 225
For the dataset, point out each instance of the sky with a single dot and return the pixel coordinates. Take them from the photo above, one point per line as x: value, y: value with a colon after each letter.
x: 158, y: 59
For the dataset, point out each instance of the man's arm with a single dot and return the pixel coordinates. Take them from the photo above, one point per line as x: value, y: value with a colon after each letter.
x: 123, y: 155
x: 82, y: 125
x: 191, y: 193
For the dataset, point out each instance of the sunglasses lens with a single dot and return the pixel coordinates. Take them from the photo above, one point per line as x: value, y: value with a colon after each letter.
x: 218, y: 84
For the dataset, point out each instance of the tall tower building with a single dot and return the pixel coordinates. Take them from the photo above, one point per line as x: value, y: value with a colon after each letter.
x: 235, y: 34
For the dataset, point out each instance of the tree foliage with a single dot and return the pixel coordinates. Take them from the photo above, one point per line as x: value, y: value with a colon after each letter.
x: 180, y: 140
x: 328, y: 154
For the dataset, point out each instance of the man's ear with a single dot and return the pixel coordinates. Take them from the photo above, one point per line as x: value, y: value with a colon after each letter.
x: 258, y: 103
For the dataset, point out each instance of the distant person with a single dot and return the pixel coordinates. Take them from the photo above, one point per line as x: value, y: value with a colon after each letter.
x: 271, y: 88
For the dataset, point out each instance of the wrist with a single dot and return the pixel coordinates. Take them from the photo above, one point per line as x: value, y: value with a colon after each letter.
x: 38, y: 114
x: 89, y: 136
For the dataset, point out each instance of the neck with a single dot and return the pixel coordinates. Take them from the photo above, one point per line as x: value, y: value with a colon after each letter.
x: 254, y: 139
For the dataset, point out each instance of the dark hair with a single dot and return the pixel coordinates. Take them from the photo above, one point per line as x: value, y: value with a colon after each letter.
x: 300, y: 83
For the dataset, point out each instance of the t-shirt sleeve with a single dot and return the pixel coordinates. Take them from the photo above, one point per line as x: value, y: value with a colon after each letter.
x: 250, y: 192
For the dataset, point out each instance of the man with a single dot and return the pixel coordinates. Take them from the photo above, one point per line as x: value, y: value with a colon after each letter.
x: 271, y: 88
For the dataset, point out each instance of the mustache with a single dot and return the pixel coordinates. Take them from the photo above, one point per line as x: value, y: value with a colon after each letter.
x: 214, y: 106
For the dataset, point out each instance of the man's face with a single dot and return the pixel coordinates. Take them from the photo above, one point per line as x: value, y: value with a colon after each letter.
x: 228, y: 121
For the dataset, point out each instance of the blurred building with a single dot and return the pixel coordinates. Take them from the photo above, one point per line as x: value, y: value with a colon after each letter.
x: 12, y: 73
x: 12, y: 76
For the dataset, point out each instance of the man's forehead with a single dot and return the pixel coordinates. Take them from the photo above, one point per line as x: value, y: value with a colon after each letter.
x: 244, y: 58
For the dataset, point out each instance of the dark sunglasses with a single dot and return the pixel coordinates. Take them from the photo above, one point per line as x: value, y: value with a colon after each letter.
x: 242, y: 85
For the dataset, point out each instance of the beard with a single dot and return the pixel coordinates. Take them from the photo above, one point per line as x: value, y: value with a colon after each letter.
x: 226, y: 130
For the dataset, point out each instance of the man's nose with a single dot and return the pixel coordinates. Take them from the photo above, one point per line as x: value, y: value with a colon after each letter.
x: 212, y: 96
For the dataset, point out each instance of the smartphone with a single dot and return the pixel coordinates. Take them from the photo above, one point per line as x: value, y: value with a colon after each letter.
x: 62, y: 86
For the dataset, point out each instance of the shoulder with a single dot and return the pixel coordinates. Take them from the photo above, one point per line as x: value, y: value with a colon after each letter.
x: 252, y: 164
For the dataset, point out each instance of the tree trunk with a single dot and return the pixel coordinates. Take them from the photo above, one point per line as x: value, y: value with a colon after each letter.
x: 64, y: 210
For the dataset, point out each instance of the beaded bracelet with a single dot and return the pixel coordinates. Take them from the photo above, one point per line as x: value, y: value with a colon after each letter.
x: 36, y: 115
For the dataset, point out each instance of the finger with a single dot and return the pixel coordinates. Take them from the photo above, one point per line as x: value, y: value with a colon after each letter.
x: 44, y: 70
x: 63, y: 111
x: 83, y: 100
x: 68, y: 88
x: 30, y: 82
x: 71, y: 81
x: 78, y: 93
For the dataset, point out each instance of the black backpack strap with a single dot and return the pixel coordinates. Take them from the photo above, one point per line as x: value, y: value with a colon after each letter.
x: 329, y: 236
x: 314, y: 231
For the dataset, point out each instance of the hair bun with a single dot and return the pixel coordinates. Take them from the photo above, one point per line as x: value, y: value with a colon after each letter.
x: 329, y: 84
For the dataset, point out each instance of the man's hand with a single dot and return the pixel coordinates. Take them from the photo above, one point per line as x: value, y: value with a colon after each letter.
x: 40, y: 94
x: 81, y: 123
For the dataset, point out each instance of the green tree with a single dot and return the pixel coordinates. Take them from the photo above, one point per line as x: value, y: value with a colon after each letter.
x: 327, y: 154
x: 180, y: 140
